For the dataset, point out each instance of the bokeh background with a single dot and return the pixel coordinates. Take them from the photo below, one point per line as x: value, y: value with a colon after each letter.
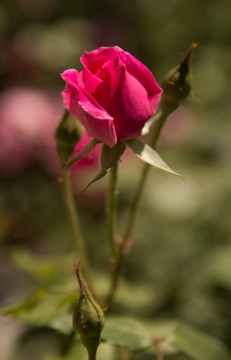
x: 181, y: 257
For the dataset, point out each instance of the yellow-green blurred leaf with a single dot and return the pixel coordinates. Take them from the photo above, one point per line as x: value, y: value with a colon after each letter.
x: 126, y: 332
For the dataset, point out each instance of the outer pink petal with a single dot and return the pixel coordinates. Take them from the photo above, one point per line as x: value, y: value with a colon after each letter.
x: 70, y: 75
x: 154, y: 101
x: 141, y: 73
x: 130, y: 107
x: 98, y: 123
x: 70, y: 94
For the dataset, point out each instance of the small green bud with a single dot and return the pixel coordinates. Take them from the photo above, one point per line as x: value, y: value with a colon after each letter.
x: 67, y: 134
x: 88, y: 318
x: 176, y: 85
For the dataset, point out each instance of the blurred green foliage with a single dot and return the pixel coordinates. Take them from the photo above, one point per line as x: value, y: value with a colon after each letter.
x: 181, y: 254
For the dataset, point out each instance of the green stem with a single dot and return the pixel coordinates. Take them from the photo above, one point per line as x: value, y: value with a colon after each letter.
x: 92, y: 355
x: 139, y: 190
x: 111, y: 210
x: 74, y: 219
x: 125, y: 243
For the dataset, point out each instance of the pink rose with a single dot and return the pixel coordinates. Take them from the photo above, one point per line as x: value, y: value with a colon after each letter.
x: 113, y: 96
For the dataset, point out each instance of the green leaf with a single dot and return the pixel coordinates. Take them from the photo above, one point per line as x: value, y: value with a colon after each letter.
x: 52, y: 274
x: 43, y: 269
x: 149, y: 155
x: 199, y: 345
x: 43, y: 309
x: 108, y: 158
x: 126, y: 332
x: 149, y: 124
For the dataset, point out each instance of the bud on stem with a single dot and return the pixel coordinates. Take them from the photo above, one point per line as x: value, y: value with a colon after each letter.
x: 67, y: 134
x: 88, y: 318
x: 176, y: 84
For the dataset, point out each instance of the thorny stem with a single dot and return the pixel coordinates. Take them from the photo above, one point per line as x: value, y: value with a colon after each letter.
x: 111, y: 210
x: 74, y: 219
x: 126, y: 239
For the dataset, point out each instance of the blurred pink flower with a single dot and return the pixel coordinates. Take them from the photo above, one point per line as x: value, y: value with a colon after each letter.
x: 27, y: 121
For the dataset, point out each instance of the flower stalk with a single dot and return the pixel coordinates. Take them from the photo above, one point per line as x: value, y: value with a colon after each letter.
x: 74, y: 219
x: 126, y: 239
x: 111, y: 210
x: 67, y: 135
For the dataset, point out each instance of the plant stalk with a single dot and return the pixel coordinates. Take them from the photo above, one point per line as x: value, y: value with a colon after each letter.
x: 126, y: 239
x: 92, y: 355
x: 74, y: 219
x: 111, y: 211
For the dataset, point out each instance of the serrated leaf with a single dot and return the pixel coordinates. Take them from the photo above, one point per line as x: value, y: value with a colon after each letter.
x: 199, y: 345
x: 108, y: 158
x: 126, y: 332
x: 149, y: 155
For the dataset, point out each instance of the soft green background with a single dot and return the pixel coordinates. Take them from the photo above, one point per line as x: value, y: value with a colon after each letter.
x: 182, y: 243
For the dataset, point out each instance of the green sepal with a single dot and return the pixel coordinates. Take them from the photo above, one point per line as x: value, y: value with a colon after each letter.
x: 67, y: 134
x: 88, y: 317
x: 149, y: 155
x: 92, y: 143
x: 177, y: 84
x: 108, y: 158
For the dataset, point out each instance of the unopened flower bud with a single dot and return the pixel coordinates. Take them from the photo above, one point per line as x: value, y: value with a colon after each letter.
x: 88, y: 318
x: 67, y: 134
x: 176, y: 85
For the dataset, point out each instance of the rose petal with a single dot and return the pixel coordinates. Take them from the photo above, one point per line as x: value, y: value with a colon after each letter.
x: 70, y: 75
x: 140, y: 72
x: 154, y: 101
x: 98, y: 123
x: 130, y: 107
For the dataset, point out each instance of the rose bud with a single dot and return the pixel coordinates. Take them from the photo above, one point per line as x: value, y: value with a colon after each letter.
x: 113, y: 96
x: 176, y: 85
x: 67, y: 134
x: 88, y: 318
